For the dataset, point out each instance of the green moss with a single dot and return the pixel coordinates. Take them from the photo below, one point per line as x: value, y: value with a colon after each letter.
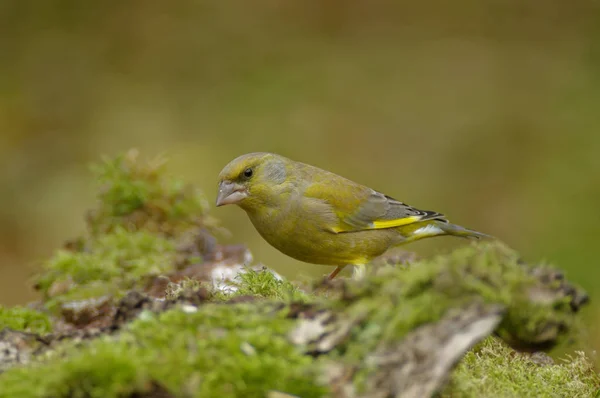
x: 404, y: 299
x: 137, y: 195
x: 221, y: 350
x: 394, y: 302
x: 264, y: 284
x: 24, y: 319
x: 245, y: 349
x: 258, y: 284
x: 110, y: 264
x: 494, y: 370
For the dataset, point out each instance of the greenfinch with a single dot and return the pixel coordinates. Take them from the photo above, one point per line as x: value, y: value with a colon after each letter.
x: 319, y: 217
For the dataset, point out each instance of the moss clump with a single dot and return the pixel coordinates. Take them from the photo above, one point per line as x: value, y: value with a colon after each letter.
x: 490, y: 272
x: 388, y: 305
x: 494, y: 370
x: 257, y: 284
x: 137, y: 195
x: 220, y: 350
x: 264, y: 284
x: 25, y: 320
x: 135, y: 229
x: 109, y: 265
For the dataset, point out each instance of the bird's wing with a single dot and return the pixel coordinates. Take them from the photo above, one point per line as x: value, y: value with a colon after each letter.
x: 380, y: 211
x: 360, y: 208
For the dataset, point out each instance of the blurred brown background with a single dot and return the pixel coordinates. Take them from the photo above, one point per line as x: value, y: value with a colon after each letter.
x: 488, y: 111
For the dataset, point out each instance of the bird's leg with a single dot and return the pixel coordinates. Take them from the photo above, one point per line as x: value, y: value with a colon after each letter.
x: 335, y: 272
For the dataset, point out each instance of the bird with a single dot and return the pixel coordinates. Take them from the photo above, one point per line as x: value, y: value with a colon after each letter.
x: 319, y: 217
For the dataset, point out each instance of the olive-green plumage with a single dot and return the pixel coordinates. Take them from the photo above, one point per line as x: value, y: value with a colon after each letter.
x: 319, y: 217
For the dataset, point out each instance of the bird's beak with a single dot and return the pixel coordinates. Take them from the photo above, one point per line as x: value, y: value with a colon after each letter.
x: 230, y: 193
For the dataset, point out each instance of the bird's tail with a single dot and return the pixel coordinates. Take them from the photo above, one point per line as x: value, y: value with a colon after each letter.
x: 457, y: 230
x: 430, y: 228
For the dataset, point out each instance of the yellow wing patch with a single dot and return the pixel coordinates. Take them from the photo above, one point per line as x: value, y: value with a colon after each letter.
x: 382, y: 224
x: 395, y: 223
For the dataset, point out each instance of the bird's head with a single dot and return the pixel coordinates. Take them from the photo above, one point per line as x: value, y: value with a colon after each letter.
x: 252, y: 180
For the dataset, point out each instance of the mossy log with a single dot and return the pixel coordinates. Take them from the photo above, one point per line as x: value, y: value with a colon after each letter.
x: 150, y: 305
x: 397, y: 332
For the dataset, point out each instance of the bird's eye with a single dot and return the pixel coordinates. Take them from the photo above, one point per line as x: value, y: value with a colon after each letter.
x: 248, y: 173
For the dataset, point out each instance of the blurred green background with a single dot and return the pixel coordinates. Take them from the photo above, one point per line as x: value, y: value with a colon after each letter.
x: 487, y: 111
